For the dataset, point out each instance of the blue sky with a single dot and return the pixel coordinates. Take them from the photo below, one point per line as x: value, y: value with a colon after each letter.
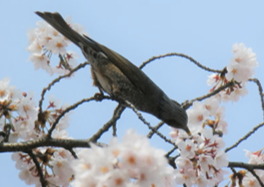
x: 204, y: 30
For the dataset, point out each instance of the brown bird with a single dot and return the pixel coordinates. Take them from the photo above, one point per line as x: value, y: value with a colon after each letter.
x: 121, y: 79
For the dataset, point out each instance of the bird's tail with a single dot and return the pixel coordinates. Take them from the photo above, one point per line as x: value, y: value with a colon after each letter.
x: 57, y: 22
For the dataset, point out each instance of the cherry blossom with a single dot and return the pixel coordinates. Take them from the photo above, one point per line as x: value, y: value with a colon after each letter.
x: 133, y: 158
x: 44, y: 41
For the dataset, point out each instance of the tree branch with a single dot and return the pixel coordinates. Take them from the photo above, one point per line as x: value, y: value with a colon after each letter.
x: 116, y: 115
x: 245, y: 137
x: 246, y: 165
x: 150, y: 134
x: 43, y: 142
x: 187, y: 104
x: 250, y: 168
x: 260, y: 92
x: 72, y: 107
x: 56, y: 81
x: 180, y: 55
x: 40, y: 173
x: 148, y: 124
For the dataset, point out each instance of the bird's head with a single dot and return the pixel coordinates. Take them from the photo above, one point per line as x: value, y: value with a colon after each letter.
x: 175, y: 116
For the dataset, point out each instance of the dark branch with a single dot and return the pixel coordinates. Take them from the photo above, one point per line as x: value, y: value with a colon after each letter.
x: 244, y: 137
x: 180, y: 55
x: 40, y: 173
x: 187, y: 104
x: 171, y: 151
x: 250, y: 168
x: 56, y: 81
x: 260, y: 93
x: 73, y: 153
x: 150, y: 134
x: 43, y: 142
x: 116, y: 115
x: 246, y: 165
x: 72, y: 107
x: 257, y: 177
x: 148, y: 124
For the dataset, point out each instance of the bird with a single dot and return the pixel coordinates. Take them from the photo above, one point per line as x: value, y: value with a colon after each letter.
x: 122, y: 80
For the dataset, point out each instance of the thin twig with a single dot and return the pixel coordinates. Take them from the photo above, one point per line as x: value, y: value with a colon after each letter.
x: 260, y: 92
x: 171, y: 151
x: 40, y: 173
x: 171, y: 162
x: 69, y: 109
x: 180, y: 55
x: 233, y: 170
x: 114, y: 129
x: 257, y: 177
x: 187, y: 104
x: 73, y: 153
x: 116, y: 115
x: 148, y: 124
x: 56, y: 81
x: 150, y: 134
x: 249, y: 167
x: 245, y: 137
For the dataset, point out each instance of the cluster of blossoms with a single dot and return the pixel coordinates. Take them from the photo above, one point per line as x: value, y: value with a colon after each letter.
x: 132, y: 163
x: 201, y: 160
x: 20, y: 121
x: 20, y: 118
x: 18, y: 113
x: 54, y: 163
x: 45, y: 41
x: 239, y: 70
x: 201, y: 156
x: 245, y: 178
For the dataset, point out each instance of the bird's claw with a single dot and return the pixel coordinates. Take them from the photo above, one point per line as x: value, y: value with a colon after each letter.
x: 98, y: 96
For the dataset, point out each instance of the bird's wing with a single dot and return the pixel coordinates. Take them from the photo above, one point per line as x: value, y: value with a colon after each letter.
x: 137, y: 77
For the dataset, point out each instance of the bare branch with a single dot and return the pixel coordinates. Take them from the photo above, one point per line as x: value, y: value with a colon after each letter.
x: 245, y: 137
x: 73, y: 153
x: 148, y: 124
x: 171, y: 162
x: 69, y: 109
x: 43, y: 142
x: 260, y: 92
x: 246, y: 165
x: 187, y: 104
x: 116, y: 115
x: 180, y: 55
x: 150, y: 134
x: 56, y: 81
x: 257, y: 177
x: 114, y: 129
x: 40, y: 173
x: 250, y: 168
x: 171, y: 151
